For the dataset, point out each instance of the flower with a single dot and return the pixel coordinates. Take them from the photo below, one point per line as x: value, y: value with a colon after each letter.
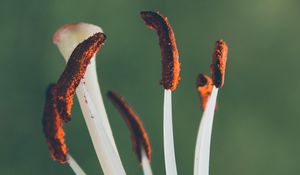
x: 79, y: 44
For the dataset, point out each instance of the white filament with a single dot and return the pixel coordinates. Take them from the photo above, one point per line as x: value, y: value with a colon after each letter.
x: 202, y: 152
x: 74, y: 165
x: 169, y: 152
x: 146, y: 163
x: 107, y: 155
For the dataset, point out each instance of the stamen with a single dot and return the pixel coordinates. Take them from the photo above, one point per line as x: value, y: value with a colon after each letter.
x: 202, y: 152
x: 218, y: 65
x: 52, y: 126
x: 74, y: 72
x: 204, y: 87
x: 139, y: 136
x: 169, y: 51
x: 170, y: 79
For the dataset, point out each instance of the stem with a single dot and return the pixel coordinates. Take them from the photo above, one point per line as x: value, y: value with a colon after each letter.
x: 93, y: 87
x: 202, y: 152
x: 170, y: 162
x: 106, y: 152
x: 74, y: 165
x: 146, y: 163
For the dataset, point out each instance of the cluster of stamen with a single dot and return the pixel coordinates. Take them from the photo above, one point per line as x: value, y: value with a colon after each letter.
x: 59, y: 97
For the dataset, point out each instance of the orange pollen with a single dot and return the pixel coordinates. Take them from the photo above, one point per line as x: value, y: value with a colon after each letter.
x: 204, y: 87
x: 139, y: 136
x: 52, y: 127
x: 169, y: 51
x: 74, y: 72
x: 218, y: 65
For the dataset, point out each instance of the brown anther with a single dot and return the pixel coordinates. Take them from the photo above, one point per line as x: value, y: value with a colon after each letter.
x: 139, y: 136
x: 52, y: 127
x: 169, y: 51
x: 74, y: 72
x: 204, y: 87
x: 218, y: 65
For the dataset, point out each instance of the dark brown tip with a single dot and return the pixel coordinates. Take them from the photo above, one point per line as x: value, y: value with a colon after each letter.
x: 218, y: 65
x: 74, y: 72
x: 169, y: 51
x: 52, y: 127
x: 139, y: 136
x: 204, y: 87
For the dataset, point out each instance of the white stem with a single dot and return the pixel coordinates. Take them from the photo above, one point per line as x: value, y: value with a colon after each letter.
x: 146, y: 164
x: 202, y: 152
x: 170, y: 161
x: 93, y: 87
x: 106, y: 153
x: 74, y: 165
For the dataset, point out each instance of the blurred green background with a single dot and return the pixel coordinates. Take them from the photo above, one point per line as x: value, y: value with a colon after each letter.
x: 256, y: 129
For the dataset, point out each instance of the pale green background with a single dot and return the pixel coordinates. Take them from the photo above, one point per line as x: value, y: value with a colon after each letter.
x: 257, y: 125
